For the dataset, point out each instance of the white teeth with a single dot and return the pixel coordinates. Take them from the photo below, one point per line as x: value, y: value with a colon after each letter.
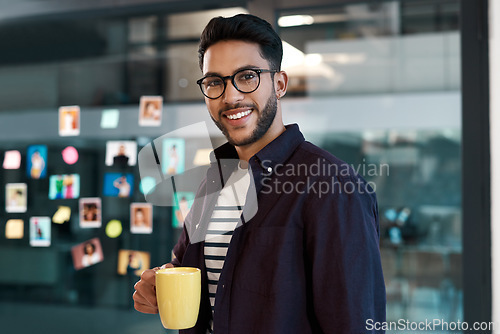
x: 239, y: 115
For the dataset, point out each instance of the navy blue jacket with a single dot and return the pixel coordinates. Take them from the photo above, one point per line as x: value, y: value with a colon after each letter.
x: 308, y: 261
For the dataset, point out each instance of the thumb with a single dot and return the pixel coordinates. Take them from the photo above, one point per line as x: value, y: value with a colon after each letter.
x: 167, y: 265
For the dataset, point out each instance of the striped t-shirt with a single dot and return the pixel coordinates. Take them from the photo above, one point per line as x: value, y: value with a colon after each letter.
x: 224, y: 220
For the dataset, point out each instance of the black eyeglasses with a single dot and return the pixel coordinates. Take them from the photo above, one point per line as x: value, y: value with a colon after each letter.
x: 245, y: 81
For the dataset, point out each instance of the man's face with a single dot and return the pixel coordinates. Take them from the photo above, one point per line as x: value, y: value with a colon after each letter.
x: 258, y: 108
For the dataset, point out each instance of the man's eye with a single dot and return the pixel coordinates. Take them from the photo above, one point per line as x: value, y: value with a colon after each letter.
x: 214, y: 82
x: 247, y: 76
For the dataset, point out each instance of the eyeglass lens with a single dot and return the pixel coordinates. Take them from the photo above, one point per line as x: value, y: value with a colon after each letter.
x: 245, y: 81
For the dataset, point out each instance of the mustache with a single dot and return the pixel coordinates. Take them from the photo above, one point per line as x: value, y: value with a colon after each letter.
x: 236, y: 106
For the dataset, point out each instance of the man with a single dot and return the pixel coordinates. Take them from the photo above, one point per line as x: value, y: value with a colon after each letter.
x: 308, y: 260
x: 121, y: 158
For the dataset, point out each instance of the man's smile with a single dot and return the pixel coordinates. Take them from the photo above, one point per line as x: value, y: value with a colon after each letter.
x: 238, y: 113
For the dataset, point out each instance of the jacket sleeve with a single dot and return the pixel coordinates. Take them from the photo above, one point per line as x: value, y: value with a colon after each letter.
x: 345, y: 282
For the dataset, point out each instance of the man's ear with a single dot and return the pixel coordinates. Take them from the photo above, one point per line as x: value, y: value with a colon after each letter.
x: 280, y: 84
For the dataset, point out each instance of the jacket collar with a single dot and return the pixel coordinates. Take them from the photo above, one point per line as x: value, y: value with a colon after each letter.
x: 280, y: 149
x: 276, y: 152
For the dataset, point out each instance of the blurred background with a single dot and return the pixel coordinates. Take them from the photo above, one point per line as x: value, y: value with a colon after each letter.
x: 377, y: 84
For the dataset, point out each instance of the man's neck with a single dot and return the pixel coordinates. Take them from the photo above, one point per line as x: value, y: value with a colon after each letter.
x: 248, y: 151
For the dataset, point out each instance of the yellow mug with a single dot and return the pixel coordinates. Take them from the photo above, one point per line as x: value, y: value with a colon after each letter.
x: 178, y: 294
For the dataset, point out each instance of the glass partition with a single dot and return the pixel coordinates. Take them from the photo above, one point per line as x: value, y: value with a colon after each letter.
x: 376, y: 84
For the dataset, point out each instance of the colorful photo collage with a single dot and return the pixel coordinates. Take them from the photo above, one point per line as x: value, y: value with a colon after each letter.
x: 67, y: 186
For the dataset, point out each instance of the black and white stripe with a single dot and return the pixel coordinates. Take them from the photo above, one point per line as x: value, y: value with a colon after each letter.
x: 223, y: 222
x: 219, y: 234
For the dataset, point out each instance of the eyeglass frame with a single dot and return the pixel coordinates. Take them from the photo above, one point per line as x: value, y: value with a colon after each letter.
x: 224, y: 80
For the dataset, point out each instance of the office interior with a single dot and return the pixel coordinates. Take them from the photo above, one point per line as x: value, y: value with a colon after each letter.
x: 376, y: 83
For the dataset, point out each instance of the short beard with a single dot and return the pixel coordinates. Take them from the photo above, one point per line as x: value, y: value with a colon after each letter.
x: 266, y: 118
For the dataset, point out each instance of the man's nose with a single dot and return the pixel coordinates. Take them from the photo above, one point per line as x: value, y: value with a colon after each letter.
x: 232, y: 95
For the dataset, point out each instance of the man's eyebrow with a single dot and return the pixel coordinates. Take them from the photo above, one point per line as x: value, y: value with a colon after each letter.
x: 245, y: 67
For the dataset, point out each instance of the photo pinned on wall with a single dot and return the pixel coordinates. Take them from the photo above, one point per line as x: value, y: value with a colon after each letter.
x: 62, y: 215
x: 16, y: 197
x: 118, y: 184
x: 64, y: 186
x: 141, y: 218
x: 40, y: 233
x: 37, y: 161
x: 114, y: 228
x: 87, y: 254
x: 132, y: 262
x: 150, y: 110
x: 90, y: 212
x: 14, y: 229
x: 70, y: 155
x: 12, y: 159
x: 173, y: 156
x: 110, y: 118
x: 182, y: 203
x: 121, y: 153
x: 69, y: 121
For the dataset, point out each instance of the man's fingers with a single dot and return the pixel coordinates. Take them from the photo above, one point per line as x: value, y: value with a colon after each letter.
x: 139, y: 299
x: 146, y: 309
x: 147, y: 292
x: 143, y: 305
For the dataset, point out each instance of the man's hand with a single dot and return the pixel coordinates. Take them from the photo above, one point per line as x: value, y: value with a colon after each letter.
x: 145, y: 291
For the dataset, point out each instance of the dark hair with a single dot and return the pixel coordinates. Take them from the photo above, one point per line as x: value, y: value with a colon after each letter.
x: 85, y: 247
x: 243, y: 27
